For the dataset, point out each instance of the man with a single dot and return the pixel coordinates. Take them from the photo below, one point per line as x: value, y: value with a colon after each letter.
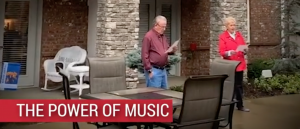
x: 229, y: 41
x: 154, y: 55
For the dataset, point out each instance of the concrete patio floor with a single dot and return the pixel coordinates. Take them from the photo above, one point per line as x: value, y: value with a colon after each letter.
x: 279, y: 112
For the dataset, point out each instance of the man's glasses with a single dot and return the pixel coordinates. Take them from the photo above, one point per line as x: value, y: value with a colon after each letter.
x: 164, y: 27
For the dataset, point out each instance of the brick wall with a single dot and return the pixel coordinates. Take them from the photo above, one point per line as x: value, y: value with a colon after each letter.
x: 65, y: 24
x: 195, y: 29
x: 265, y: 31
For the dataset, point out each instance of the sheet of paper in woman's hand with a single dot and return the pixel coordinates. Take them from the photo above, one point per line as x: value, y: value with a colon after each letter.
x: 241, y: 48
x: 173, y: 45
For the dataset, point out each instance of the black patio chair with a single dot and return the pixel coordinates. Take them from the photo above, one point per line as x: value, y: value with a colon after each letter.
x: 67, y: 94
x: 108, y: 74
x: 201, y: 103
x: 221, y: 66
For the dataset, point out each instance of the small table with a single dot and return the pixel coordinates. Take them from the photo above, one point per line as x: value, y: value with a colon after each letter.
x: 80, y: 71
x: 139, y: 93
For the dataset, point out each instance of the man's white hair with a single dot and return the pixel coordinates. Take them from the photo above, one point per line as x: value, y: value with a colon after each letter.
x: 228, y: 20
x: 158, y: 19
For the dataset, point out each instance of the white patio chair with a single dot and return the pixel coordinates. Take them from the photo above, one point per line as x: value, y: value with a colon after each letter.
x: 74, y: 55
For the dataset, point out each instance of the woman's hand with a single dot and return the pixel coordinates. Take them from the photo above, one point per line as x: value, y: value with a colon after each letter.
x: 232, y: 52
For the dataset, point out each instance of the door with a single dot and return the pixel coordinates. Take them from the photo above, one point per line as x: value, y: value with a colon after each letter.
x: 18, y: 37
x: 146, y: 14
x: 168, y: 8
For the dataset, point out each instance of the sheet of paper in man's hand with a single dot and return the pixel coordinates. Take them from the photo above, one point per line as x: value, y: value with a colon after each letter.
x: 242, y: 48
x: 173, y: 45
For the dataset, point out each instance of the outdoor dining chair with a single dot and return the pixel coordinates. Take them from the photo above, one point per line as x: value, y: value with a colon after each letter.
x: 202, y: 98
x: 67, y: 94
x: 107, y: 74
x: 227, y: 67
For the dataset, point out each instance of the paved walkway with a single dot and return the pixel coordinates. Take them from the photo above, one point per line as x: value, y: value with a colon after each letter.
x: 280, y: 112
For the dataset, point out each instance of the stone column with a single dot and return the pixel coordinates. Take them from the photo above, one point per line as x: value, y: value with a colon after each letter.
x: 117, y: 29
x: 220, y: 9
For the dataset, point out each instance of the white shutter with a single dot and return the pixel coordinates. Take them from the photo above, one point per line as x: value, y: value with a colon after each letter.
x: 166, y: 10
x: 144, y: 21
x: 15, y: 39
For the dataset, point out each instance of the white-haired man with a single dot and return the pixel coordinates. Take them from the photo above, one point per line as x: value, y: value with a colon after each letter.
x: 154, y: 56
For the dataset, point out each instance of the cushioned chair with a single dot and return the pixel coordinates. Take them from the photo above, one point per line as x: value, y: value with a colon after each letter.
x: 221, y: 66
x: 202, y: 98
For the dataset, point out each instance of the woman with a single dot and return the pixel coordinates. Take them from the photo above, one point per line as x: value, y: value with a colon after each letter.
x: 229, y: 41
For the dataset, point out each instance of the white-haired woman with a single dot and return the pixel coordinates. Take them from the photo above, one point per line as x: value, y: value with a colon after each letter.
x: 229, y: 41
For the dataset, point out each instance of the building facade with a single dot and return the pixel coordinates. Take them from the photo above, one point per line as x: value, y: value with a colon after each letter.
x: 112, y: 28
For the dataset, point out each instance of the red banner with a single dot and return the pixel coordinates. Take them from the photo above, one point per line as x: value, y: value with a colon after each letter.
x: 86, y: 111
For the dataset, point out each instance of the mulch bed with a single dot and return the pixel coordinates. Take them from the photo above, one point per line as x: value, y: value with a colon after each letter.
x: 250, y: 92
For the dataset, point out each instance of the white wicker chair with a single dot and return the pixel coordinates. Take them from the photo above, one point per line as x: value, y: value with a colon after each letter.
x: 74, y: 55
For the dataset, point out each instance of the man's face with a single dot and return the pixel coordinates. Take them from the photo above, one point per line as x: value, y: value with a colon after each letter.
x: 231, y: 26
x: 161, y: 26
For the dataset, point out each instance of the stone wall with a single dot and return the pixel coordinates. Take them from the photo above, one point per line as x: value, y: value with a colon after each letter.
x: 65, y: 24
x: 117, y: 30
x: 117, y: 27
x: 220, y: 9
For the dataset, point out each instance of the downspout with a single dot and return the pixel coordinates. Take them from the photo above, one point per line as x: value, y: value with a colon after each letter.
x: 283, y: 26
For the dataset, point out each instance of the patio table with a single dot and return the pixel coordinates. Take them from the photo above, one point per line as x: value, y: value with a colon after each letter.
x: 139, y: 93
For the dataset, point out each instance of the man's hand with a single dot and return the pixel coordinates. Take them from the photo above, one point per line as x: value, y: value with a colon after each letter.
x: 175, y: 48
x: 150, y: 75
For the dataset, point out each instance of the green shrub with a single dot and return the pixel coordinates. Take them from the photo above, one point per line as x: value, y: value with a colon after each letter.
x: 134, y: 60
x: 256, y: 67
x: 286, y: 66
x: 288, y: 84
x: 177, y: 88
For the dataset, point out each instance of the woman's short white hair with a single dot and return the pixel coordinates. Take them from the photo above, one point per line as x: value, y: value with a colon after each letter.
x: 228, y: 20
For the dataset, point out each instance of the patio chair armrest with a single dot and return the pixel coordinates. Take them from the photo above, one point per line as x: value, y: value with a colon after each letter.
x: 73, y: 64
x: 50, y: 64
x: 229, y: 103
x: 197, y: 122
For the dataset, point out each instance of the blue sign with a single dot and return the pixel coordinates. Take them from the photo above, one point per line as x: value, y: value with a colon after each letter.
x: 10, y: 76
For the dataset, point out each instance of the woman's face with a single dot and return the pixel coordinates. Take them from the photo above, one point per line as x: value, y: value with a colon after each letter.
x: 231, y: 26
